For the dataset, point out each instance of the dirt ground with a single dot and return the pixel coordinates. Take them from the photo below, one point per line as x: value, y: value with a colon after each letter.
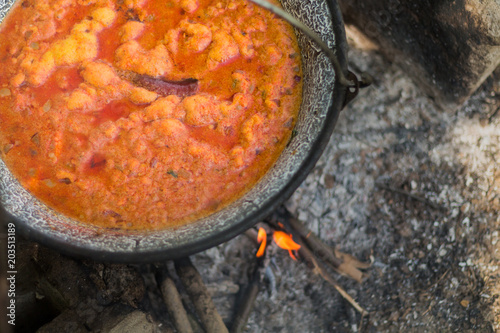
x: 410, y: 185
x: 415, y: 186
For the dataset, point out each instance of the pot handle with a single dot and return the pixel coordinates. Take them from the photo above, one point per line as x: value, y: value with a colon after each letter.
x: 350, y: 82
x: 352, y: 91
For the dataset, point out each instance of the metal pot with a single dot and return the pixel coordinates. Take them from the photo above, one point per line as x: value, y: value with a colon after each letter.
x: 323, y: 98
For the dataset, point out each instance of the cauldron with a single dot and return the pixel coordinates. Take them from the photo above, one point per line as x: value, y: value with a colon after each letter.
x: 323, y: 99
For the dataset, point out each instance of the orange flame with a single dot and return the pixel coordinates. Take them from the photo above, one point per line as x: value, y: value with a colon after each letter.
x: 286, y: 242
x: 262, y: 239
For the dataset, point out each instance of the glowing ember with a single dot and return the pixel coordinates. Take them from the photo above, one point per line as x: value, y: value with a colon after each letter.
x: 286, y: 242
x: 262, y: 239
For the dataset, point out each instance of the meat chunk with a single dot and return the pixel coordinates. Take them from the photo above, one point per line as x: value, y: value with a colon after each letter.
x: 245, y: 43
x: 155, y: 62
x: 196, y: 37
x: 209, y: 155
x: 76, y: 48
x: 255, y: 24
x: 99, y: 74
x: 241, y: 82
x: 250, y: 129
x: 142, y: 96
x: 167, y: 132
x: 270, y: 54
x: 131, y: 30
x: 189, y: 5
x: 163, y: 108
x: 201, y: 110
x: 105, y: 15
x: 80, y: 99
x: 99, y: 19
x: 170, y: 127
x: 223, y: 49
x: 42, y: 30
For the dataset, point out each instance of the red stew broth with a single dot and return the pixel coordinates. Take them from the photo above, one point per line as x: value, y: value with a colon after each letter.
x: 80, y: 133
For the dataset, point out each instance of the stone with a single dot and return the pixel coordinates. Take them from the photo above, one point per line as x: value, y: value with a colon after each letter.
x: 449, y: 47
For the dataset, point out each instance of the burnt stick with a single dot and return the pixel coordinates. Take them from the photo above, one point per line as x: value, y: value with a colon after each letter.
x: 324, y: 252
x: 314, y: 243
x: 198, y: 293
x: 247, y: 301
x: 173, y: 301
x: 283, y: 216
x: 317, y: 246
x: 320, y: 269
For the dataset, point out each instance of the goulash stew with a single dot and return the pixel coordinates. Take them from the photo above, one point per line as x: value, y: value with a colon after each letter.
x: 144, y: 114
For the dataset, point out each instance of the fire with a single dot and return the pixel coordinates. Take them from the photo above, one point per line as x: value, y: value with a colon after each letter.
x: 262, y: 239
x: 285, y: 241
x: 281, y: 238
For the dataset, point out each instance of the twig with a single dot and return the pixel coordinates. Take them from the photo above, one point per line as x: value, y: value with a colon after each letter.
x: 410, y: 195
x: 198, y: 294
x: 319, y: 269
x: 315, y: 243
x: 196, y: 326
x: 252, y: 235
x: 309, y: 257
x: 325, y: 253
x: 173, y: 302
x: 247, y: 300
x: 428, y: 309
x: 342, y: 263
x: 361, y: 321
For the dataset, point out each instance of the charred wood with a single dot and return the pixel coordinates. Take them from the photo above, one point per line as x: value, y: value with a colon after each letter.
x: 320, y: 269
x: 281, y: 219
x: 197, y: 291
x: 173, y: 301
x: 246, y: 301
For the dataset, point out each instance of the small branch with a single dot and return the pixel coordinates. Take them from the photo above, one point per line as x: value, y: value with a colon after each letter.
x: 320, y: 270
x: 361, y: 321
x: 195, y: 324
x: 325, y: 253
x: 173, y: 302
x: 247, y: 300
x: 200, y: 297
x: 315, y: 243
x: 252, y: 235
x: 438, y: 281
x: 308, y: 255
x: 342, y: 263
